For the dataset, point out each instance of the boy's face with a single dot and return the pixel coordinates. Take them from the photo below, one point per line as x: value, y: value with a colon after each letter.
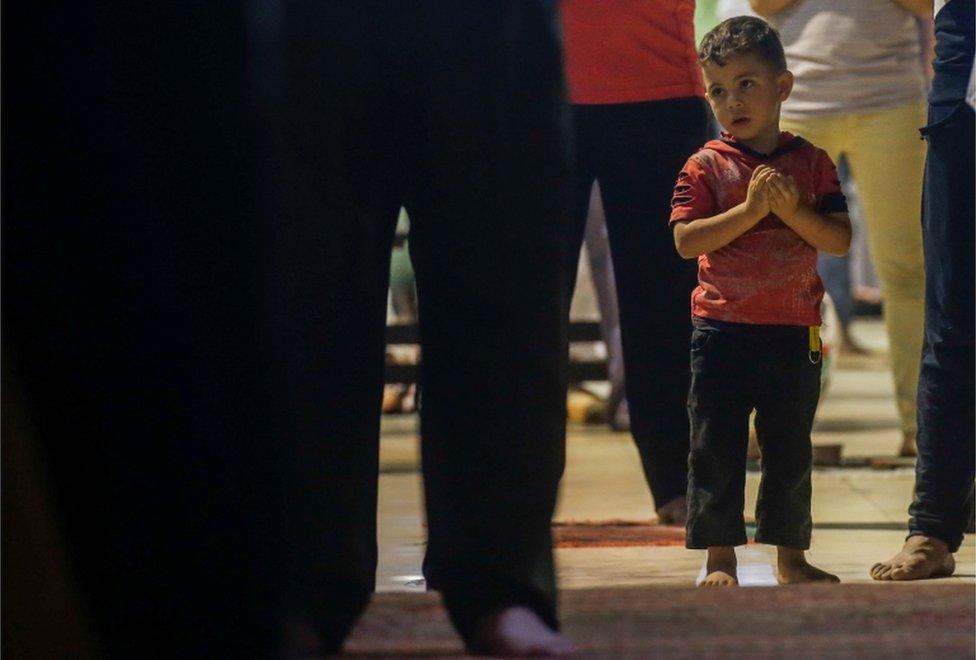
x: 745, y: 96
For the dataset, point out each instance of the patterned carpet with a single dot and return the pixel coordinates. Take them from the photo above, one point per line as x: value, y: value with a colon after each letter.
x: 888, y: 621
x: 614, y: 534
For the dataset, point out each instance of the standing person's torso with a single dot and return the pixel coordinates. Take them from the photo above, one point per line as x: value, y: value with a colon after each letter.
x: 627, y: 51
x: 850, y: 56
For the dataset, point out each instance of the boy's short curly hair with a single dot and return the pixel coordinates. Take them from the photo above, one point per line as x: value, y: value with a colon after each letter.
x: 742, y: 34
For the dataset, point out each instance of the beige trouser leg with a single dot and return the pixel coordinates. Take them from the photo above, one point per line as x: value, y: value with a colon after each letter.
x: 887, y: 159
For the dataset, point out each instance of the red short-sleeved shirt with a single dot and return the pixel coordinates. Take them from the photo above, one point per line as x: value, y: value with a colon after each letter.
x: 626, y: 51
x: 768, y: 275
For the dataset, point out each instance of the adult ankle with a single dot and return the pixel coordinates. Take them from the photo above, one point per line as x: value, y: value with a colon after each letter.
x: 927, y: 543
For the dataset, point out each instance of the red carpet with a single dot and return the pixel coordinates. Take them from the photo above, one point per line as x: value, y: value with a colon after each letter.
x: 887, y: 621
x: 614, y: 534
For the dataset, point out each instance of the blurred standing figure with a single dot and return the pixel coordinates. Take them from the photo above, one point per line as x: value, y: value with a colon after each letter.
x: 401, y: 397
x: 942, y: 508
x: 859, y: 94
x: 134, y: 360
x: 638, y: 113
x: 614, y: 410
x: 454, y: 111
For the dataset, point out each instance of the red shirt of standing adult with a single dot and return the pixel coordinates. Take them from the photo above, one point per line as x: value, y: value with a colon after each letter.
x: 624, y: 51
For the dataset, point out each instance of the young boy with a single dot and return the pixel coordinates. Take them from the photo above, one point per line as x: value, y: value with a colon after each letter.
x: 754, y: 207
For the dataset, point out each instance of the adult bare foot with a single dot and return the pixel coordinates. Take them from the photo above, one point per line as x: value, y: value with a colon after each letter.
x: 921, y: 557
x: 792, y: 568
x: 720, y: 568
x: 674, y: 512
x: 517, y: 631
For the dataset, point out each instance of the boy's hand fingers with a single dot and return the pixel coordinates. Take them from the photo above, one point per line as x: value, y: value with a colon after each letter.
x: 780, y: 185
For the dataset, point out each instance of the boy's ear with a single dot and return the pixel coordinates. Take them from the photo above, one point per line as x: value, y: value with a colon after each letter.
x: 784, y: 82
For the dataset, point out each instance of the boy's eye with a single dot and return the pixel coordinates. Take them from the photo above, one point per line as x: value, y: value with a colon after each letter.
x: 746, y: 84
x: 717, y: 92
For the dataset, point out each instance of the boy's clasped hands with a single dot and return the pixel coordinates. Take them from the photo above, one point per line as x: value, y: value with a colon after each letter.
x: 772, y: 192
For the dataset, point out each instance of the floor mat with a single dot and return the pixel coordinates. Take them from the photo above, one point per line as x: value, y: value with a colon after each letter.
x: 821, y: 621
x: 614, y: 534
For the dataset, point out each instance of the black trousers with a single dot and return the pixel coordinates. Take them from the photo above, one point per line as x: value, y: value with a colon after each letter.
x: 943, y: 502
x: 455, y: 111
x: 636, y: 151
x: 736, y: 369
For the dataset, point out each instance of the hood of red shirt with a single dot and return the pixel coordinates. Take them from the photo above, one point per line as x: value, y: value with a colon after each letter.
x: 729, y: 145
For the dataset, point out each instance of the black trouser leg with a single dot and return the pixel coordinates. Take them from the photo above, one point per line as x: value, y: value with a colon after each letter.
x: 636, y: 151
x: 330, y: 353
x: 338, y: 173
x: 946, y: 389
x: 788, y: 392
x: 488, y: 242
x: 719, y: 405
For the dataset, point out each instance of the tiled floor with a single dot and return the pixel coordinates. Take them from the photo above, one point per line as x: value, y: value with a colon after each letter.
x: 859, y: 514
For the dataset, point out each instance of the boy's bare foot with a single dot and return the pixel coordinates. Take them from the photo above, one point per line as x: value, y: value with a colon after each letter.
x: 517, y: 631
x: 792, y: 568
x: 674, y: 512
x: 921, y: 557
x: 720, y: 568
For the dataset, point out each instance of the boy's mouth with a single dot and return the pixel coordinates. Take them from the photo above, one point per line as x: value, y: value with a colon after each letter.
x: 740, y: 121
